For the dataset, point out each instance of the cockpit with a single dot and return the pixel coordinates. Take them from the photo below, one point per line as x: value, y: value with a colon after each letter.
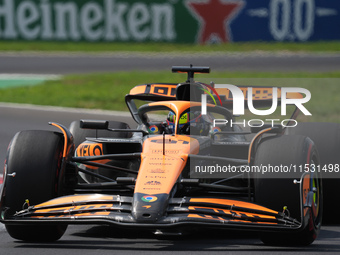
x: 182, y: 117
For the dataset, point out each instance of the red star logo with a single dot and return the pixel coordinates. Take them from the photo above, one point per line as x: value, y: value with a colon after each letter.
x: 215, y: 16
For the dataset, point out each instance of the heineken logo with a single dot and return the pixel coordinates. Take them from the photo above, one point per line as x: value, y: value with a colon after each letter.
x: 105, y: 20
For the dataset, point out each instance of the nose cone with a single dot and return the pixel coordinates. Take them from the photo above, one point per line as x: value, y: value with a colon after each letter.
x: 149, y: 208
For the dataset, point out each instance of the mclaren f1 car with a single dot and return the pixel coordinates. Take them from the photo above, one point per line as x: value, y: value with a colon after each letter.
x: 155, y: 176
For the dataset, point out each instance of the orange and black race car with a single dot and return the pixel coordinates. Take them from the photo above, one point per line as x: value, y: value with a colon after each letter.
x: 188, y: 164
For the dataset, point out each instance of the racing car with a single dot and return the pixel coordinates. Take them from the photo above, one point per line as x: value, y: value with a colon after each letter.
x: 154, y: 176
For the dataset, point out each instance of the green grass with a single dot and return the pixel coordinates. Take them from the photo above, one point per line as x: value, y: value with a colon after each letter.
x: 107, y: 90
x: 321, y: 46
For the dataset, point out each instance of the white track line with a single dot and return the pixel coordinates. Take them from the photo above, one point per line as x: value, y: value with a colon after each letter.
x: 63, y: 109
x: 13, y: 76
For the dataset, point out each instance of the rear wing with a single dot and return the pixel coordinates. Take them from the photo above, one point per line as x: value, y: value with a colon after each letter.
x: 262, y: 96
x: 192, y: 91
x: 154, y: 91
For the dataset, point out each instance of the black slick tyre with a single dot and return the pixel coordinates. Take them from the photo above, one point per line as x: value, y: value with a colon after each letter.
x: 34, y: 157
x: 278, y: 191
x: 326, y: 137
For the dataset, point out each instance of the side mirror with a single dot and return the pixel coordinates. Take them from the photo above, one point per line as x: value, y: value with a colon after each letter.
x: 94, y: 124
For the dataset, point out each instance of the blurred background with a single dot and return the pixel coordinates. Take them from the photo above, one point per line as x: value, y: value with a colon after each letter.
x: 89, y: 53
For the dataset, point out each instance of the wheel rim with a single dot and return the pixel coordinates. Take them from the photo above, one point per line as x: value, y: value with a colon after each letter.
x: 315, y: 185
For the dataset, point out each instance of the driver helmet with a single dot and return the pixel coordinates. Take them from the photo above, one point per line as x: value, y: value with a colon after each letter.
x: 186, y: 118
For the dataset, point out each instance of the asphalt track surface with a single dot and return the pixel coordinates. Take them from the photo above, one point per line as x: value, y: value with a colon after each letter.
x: 66, y: 63
x: 105, y: 240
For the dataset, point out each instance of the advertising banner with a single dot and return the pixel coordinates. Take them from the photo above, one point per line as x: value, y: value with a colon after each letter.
x: 188, y: 21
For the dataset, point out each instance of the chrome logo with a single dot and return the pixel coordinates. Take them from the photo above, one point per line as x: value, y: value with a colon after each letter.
x: 216, y: 129
x: 153, y: 129
x: 149, y: 198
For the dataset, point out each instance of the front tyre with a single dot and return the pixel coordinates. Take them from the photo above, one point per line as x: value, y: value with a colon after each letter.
x: 278, y: 190
x: 35, y: 157
x: 326, y: 137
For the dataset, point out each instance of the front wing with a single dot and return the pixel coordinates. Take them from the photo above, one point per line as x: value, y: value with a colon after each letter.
x: 116, y: 210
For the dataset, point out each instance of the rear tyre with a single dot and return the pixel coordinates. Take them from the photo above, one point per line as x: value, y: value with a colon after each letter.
x: 326, y: 137
x: 35, y: 158
x: 277, y: 190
